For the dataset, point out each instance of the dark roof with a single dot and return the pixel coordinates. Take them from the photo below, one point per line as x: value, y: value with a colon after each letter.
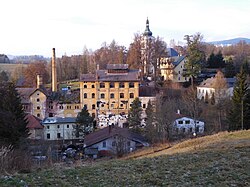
x: 117, y: 66
x: 103, y: 75
x: 208, y: 83
x: 58, y: 120
x: 147, y: 31
x: 33, y: 122
x: 172, y: 52
x: 179, y: 60
x: 109, y: 132
x: 25, y: 93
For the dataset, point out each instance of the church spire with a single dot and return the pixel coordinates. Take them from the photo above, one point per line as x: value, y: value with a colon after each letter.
x: 147, y: 31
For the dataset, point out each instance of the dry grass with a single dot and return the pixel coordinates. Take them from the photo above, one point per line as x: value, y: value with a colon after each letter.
x: 218, y: 160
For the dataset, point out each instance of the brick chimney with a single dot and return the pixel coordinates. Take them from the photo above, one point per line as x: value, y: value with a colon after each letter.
x: 53, y: 73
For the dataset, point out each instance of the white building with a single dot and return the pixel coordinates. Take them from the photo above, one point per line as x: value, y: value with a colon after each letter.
x: 207, y: 88
x: 56, y: 128
x: 185, y: 125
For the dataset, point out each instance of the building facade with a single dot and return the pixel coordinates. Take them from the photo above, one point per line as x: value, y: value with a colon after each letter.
x: 110, y: 91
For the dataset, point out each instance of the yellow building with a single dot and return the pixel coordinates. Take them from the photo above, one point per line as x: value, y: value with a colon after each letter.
x: 109, y: 91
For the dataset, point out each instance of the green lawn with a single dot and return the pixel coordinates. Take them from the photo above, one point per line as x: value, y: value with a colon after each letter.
x: 225, y: 161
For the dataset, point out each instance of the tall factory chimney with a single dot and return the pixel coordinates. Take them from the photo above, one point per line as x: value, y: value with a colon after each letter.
x: 53, y: 69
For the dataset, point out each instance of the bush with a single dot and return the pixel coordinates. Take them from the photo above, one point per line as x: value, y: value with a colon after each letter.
x: 14, y: 160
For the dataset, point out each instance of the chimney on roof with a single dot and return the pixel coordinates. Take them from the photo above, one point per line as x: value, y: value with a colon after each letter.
x: 53, y: 69
x: 39, y: 81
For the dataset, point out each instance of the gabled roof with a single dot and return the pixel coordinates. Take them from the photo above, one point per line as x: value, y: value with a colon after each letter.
x: 172, y: 52
x: 178, y: 60
x: 25, y: 93
x: 33, y: 122
x: 208, y: 83
x: 109, y: 132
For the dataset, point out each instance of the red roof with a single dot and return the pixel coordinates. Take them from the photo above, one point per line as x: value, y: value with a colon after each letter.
x: 33, y: 122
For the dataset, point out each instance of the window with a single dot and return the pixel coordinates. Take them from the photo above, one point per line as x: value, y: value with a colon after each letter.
x: 68, y: 107
x: 93, y: 106
x: 144, y: 105
x: 38, y: 100
x: 102, y: 95
x: 85, y: 95
x: 112, y: 95
x: 102, y: 85
x: 48, y: 127
x: 60, y: 107
x: 50, y: 114
x: 188, y: 122
x: 131, y: 85
x: 104, y: 144
x: 121, y: 105
x: 113, y: 143
x: 183, y: 130
x: 85, y: 106
x: 92, y: 86
x: 191, y: 129
x: 121, y: 85
x: 131, y: 95
x: 38, y: 108
x: 51, y: 107
x: 58, y: 126
x: 67, y: 126
x: 85, y: 86
x: 58, y: 135
x: 38, y: 115
x: 180, y: 122
x: 112, y: 85
x: 76, y: 107
x: 93, y: 115
x: 93, y: 95
x: 121, y: 95
x: 48, y: 136
x: 37, y: 93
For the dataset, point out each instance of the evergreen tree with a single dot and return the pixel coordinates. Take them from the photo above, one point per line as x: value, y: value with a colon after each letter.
x: 84, y: 123
x: 229, y: 69
x: 134, y: 115
x: 195, y: 56
x: 241, y: 103
x: 4, y: 76
x: 12, y: 121
x: 150, y: 128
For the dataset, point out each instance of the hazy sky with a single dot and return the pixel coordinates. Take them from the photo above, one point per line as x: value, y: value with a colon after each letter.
x: 30, y: 27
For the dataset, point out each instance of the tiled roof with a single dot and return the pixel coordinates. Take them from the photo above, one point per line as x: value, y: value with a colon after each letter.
x: 208, y: 83
x: 111, y: 131
x: 26, y: 92
x: 103, y: 75
x: 117, y: 66
x: 33, y: 122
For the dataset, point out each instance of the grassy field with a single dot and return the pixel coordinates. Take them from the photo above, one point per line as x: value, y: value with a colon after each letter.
x: 218, y: 160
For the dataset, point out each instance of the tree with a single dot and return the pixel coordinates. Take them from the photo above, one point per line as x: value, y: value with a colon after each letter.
x: 134, y: 115
x: 134, y: 53
x: 13, y: 123
x: 229, y: 68
x: 216, y: 61
x: 4, y: 76
x: 195, y: 56
x: 84, y: 123
x: 237, y: 116
x: 34, y: 69
x: 150, y: 130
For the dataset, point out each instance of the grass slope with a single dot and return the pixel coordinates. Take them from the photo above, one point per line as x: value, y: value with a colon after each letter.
x: 218, y: 160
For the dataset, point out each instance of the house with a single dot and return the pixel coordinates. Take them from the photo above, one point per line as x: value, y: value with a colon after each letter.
x: 172, y: 68
x: 113, y: 140
x: 109, y: 91
x: 207, y: 88
x: 186, y: 125
x: 35, y: 127
x: 57, y: 128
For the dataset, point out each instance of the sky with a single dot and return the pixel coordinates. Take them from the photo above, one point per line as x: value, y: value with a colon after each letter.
x: 34, y: 27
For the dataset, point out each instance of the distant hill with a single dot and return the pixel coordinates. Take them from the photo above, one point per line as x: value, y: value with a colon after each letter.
x: 230, y: 41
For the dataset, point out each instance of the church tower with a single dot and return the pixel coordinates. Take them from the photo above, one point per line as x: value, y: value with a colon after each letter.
x: 146, y: 51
